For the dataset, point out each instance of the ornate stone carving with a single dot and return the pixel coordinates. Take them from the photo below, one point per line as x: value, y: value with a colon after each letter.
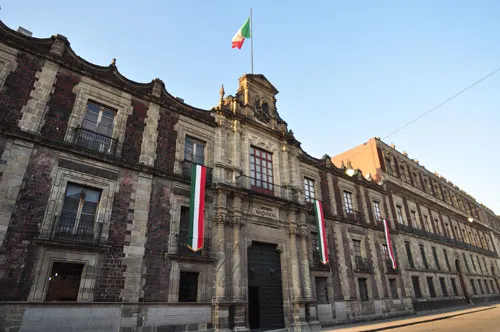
x: 261, y: 110
x: 292, y: 231
x: 219, y: 219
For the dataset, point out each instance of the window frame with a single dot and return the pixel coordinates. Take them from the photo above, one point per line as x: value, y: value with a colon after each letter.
x: 194, y: 143
x: 399, y: 214
x: 259, y: 156
x: 394, y: 290
x: 309, y: 192
x: 376, y: 210
x: 364, y: 295
x: 348, y: 203
x: 188, y: 299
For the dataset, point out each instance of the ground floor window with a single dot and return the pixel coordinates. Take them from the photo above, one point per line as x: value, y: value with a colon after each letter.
x: 454, y: 286
x: 443, y: 287
x: 64, y: 281
x: 430, y: 284
x: 188, y: 286
x: 363, y: 289
x: 321, y: 290
x: 394, y: 288
x: 473, y: 286
x: 416, y: 287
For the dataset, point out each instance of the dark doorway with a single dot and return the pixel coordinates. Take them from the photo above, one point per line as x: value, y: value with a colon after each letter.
x: 64, y: 282
x: 265, y: 291
x: 461, y: 278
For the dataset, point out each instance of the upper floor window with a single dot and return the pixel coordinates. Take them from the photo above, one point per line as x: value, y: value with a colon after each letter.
x: 78, y: 215
x: 413, y: 216
x: 194, y: 151
x: 388, y: 165
x: 427, y: 227
x: 261, y: 169
x: 403, y: 173
x: 348, y: 202
x: 97, y: 129
x: 376, y: 211
x: 309, y: 190
x: 356, y: 247
x: 399, y: 212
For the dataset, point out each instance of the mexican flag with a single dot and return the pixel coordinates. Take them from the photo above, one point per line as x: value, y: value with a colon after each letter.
x: 320, y: 223
x: 241, y: 34
x: 197, y: 207
x: 389, y: 244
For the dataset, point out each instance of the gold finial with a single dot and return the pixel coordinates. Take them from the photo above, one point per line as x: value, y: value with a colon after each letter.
x: 221, y: 91
x: 113, y: 62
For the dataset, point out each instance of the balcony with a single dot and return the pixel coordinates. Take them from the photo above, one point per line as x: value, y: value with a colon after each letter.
x: 93, y: 141
x: 362, y: 264
x: 260, y: 187
x: 187, y: 167
x: 353, y: 216
x: 74, y: 232
x: 316, y: 261
x: 179, y: 249
x: 388, y: 267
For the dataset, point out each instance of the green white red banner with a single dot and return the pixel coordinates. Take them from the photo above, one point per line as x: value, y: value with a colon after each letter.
x: 320, y: 223
x: 241, y: 34
x: 197, y: 207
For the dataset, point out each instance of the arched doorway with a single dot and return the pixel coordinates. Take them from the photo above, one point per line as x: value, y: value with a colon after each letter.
x: 461, y: 278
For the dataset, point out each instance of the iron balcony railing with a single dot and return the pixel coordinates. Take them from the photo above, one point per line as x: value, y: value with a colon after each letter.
x: 262, y: 187
x: 181, y: 249
x: 187, y: 167
x: 443, y: 239
x: 362, y: 264
x: 93, y: 141
x: 75, y: 231
x: 388, y: 267
x: 353, y: 215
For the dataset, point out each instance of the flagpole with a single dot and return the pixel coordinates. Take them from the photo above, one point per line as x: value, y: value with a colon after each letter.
x: 251, y: 39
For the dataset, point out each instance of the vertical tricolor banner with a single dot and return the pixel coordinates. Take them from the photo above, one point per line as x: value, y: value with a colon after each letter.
x: 320, y: 223
x: 197, y: 207
x: 389, y: 244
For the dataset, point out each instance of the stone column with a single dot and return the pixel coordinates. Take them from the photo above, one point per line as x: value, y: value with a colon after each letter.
x: 220, y: 270
x: 236, y: 263
x: 236, y: 159
x: 33, y: 112
x: 149, y: 137
x: 305, y: 256
x: 285, y: 165
x: 295, y: 275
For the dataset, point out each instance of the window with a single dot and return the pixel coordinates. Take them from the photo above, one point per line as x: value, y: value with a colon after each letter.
x: 97, y: 129
x: 409, y: 255
x: 309, y: 190
x: 424, y: 258
x: 466, y: 264
x: 485, y: 266
x: 376, y: 211
x: 393, y: 287
x: 315, y: 247
x: 454, y: 286
x: 363, y: 289
x: 413, y: 216
x: 443, y: 287
x: 430, y: 284
x: 188, y: 286
x: 436, y: 226
x: 399, y: 212
x: 479, y: 264
x: 427, y: 227
x: 436, y: 260
x: 261, y: 169
x: 321, y: 290
x: 486, y: 288
x: 473, y: 286
x: 78, y: 215
x: 184, y: 227
x: 473, y: 263
x: 194, y: 151
x: 356, y: 247
x: 348, y: 202
x: 388, y: 165
x: 446, y: 259
x: 64, y: 282
x: 416, y: 287
x: 457, y: 233
x: 492, y: 287
x: 480, y: 286
x: 402, y: 171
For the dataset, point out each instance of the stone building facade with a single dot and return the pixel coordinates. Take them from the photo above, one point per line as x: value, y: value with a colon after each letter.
x: 94, y: 201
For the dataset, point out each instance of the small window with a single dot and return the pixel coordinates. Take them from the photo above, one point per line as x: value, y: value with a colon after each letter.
x: 436, y: 260
x: 309, y: 190
x: 465, y: 261
x: 194, y: 151
x: 443, y: 287
x: 188, y: 286
x: 430, y: 284
x: 492, y: 287
x: 376, y: 211
x: 454, y: 286
x: 486, y: 287
x: 480, y: 286
x: 446, y: 260
x: 261, y: 169
x: 356, y: 246
x: 348, y: 202
x: 473, y: 286
x: 409, y: 254
x: 416, y: 287
x: 363, y: 289
x: 64, y: 282
x: 413, y: 216
x: 321, y: 290
x: 424, y: 257
x: 388, y: 165
x: 393, y: 287
x: 473, y: 263
x: 399, y: 212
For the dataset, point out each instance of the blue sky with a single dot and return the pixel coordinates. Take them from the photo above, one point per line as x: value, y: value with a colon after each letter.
x: 346, y: 70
